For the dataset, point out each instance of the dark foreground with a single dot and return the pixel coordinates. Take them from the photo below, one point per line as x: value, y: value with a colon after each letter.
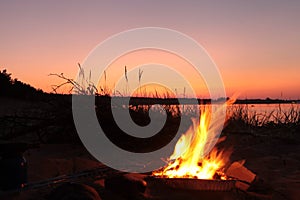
x: 273, y: 154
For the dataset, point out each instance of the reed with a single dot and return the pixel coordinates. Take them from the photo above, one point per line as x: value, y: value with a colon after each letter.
x: 276, y: 117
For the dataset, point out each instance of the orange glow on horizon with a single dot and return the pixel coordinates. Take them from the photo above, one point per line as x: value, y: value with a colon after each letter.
x: 138, y: 59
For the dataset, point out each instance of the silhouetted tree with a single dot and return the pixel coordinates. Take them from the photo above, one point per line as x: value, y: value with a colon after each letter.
x: 5, y: 82
x: 14, y: 88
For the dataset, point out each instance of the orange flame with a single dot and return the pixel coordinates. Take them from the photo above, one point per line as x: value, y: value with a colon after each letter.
x: 189, y: 160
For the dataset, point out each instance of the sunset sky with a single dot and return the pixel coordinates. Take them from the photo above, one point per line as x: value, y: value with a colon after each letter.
x: 255, y: 44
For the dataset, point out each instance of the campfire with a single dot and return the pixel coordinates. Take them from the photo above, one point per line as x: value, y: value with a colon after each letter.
x: 189, y: 160
x: 197, y: 168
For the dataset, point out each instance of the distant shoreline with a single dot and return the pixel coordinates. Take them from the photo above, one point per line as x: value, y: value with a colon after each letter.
x: 190, y: 101
x: 152, y: 100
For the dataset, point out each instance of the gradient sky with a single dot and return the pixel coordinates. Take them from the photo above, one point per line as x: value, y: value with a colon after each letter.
x: 255, y: 44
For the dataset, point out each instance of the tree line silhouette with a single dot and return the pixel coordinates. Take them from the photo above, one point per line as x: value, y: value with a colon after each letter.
x: 10, y: 87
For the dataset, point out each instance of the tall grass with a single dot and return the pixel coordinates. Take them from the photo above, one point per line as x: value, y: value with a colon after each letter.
x: 278, y: 116
x: 240, y: 115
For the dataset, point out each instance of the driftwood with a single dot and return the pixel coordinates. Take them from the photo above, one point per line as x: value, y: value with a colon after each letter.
x: 248, y: 182
x: 245, y: 177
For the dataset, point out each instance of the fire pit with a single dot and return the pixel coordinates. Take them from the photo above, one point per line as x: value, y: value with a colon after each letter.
x: 191, y: 184
x: 131, y: 186
x: 187, y: 188
x: 190, y: 172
